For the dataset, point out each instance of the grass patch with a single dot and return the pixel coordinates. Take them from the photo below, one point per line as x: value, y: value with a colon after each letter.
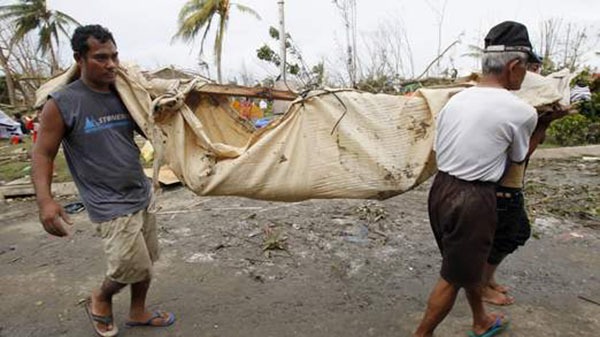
x: 548, y: 145
x: 14, y: 170
x: 15, y: 162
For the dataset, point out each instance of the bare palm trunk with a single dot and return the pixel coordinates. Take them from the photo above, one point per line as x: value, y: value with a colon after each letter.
x: 54, y: 63
x: 10, y: 84
x: 219, y: 76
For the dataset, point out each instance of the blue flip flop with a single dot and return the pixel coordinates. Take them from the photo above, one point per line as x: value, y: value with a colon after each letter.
x: 495, y: 329
x: 157, y: 314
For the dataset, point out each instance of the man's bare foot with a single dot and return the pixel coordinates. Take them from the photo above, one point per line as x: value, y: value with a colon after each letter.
x: 101, y: 308
x: 491, y: 296
x: 426, y: 335
x: 498, y: 287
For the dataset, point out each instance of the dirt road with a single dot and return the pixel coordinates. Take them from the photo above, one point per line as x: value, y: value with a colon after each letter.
x: 351, y: 268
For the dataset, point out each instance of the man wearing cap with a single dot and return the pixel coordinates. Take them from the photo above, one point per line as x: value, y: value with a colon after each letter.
x: 478, y: 132
x: 513, y: 228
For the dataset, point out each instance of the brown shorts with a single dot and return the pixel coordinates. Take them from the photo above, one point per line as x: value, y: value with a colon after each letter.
x: 131, y: 246
x: 463, y: 219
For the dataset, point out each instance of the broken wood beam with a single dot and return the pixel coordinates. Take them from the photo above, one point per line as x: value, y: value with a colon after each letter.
x: 258, y: 92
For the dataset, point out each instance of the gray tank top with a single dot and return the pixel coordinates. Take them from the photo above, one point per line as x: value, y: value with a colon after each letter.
x: 102, y: 156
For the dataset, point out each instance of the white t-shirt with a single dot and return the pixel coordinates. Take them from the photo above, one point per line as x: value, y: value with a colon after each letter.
x: 481, y: 128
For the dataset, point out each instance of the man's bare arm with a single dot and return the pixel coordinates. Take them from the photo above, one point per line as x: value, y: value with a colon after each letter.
x: 51, y: 132
x: 545, y: 119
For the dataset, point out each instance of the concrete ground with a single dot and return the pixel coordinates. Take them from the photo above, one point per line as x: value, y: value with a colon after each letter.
x: 349, y: 268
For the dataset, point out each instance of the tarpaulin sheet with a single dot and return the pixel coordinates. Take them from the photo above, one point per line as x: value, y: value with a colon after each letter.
x: 329, y: 144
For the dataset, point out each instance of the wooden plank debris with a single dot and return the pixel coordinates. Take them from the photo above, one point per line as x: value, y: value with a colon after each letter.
x: 27, y: 190
x: 165, y: 175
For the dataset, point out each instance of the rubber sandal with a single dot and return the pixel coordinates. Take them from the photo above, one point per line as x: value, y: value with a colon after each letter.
x: 496, y: 328
x: 156, y: 315
x: 106, y: 320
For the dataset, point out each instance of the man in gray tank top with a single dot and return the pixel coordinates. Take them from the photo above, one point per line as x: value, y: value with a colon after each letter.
x: 96, y: 131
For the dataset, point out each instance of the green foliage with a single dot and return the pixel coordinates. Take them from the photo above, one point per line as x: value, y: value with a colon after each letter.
x: 318, y: 71
x: 294, y: 69
x: 574, y: 130
x: 582, y: 128
x: 591, y: 108
x: 274, y: 33
x: 267, y: 54
x: 294, y: 63
x: 585, y: 76
x: 376, y: 84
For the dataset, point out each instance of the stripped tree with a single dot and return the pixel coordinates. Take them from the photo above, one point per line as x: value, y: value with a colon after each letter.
x: 24, y: 69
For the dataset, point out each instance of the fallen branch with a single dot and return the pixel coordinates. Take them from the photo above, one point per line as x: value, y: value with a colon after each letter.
x: 588, y: 300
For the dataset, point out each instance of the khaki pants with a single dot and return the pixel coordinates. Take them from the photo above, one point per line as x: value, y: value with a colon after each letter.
x: 131, y: 246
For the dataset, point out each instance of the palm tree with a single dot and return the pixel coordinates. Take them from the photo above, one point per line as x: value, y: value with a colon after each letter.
x: 198, y: 14
x: 31, y: 15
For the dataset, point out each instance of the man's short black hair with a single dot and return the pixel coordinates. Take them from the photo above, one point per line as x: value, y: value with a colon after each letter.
x: 83, y: 33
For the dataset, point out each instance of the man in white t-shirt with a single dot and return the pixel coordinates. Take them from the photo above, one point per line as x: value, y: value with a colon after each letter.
x: 479, y: 132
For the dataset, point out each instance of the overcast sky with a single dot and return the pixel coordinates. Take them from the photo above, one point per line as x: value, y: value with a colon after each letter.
x: 143, y: 29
